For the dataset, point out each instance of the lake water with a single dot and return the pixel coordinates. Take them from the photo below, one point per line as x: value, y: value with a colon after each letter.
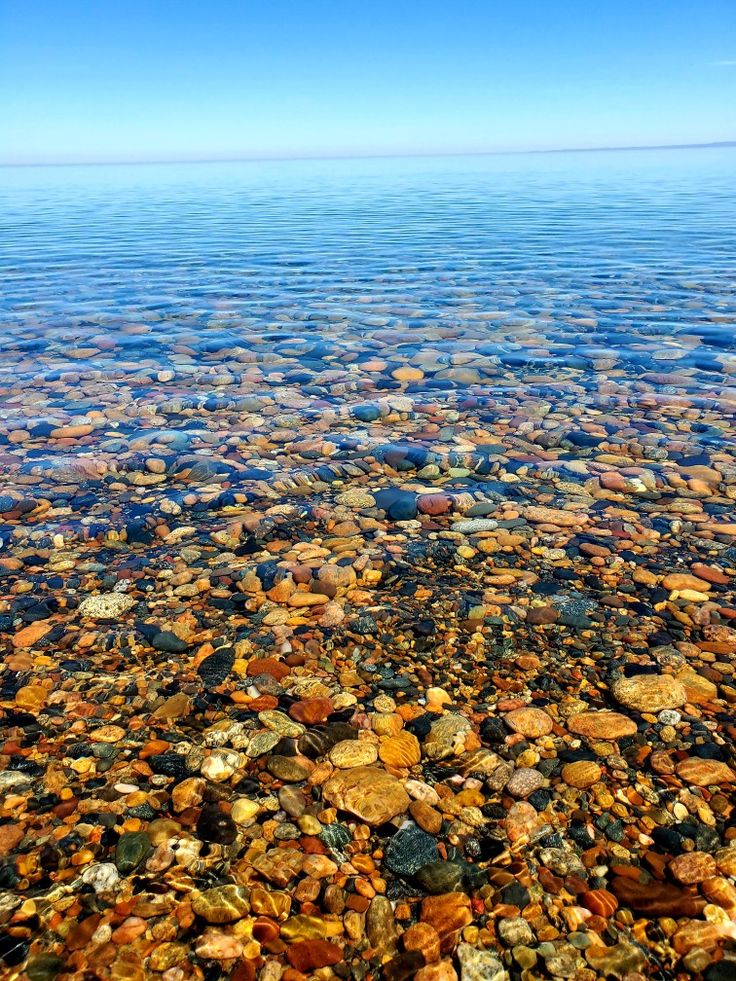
x: 213, y: 305
x: 337, y: 492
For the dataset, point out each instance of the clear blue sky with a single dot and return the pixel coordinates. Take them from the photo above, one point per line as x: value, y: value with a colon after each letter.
x: 109, y: 80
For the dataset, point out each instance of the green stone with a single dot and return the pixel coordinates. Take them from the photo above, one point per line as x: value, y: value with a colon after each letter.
x: 132, y: 849
x: 44, y: 967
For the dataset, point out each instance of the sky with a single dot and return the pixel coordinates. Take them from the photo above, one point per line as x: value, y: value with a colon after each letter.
x: 150, y: 80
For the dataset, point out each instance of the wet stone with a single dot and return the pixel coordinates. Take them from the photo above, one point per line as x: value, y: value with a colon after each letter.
x: 370, y: 794
x: 215, y: 669
x: 365, y: 613
x: 650, y: 693
x: 441, y: 877
x: 410, y: 849
x: 532, y: 722
x: 132, y: 848
x: 221, y: 904
x: 602, y: 724
x: 214, y: 825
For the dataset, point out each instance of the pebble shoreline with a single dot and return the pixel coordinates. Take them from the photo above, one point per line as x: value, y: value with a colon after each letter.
x: 396, y: 648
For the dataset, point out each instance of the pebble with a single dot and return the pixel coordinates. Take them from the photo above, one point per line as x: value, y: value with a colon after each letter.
x: 107, y: 606
x: 531, y: 722
x: 650, y: 693
x: 370, y: 794
x: 409, y: 850
x: 602, y: 724
x: 221, y: 904
x: 384, y: 633
x: 479, y: 965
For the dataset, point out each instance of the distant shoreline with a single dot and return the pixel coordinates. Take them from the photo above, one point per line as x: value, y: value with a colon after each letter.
x: 373, y: 156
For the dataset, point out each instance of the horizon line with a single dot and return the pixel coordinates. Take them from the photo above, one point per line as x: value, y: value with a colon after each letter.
x: 714, y: 144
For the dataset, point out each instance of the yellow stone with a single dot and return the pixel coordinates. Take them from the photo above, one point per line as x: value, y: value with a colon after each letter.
x: 401, y: 750
x: 32, y: 698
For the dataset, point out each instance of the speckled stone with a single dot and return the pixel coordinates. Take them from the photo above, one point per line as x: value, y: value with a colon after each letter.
x: 528, y: 721
x: 650, y: 692
x: 479, y: 965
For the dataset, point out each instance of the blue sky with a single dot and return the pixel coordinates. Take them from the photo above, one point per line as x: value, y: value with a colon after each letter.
x: 132, y: 80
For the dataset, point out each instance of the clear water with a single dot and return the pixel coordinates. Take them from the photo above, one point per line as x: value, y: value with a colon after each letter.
x: 242, y: 325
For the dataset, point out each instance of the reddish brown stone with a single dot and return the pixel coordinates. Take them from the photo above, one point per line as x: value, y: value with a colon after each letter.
x: 434, y: 504
x: 423, y: 938
x: 710, y: 574
x: 656, y: 898
x: 601, y: 902
x: 310, y: 711
x: 601, y: 725
x: 308, y: 955
x: 540, y: 615
x: 10, y: 836
x: 426, y: 817
x: 267, y: 665
x: 447, y: 913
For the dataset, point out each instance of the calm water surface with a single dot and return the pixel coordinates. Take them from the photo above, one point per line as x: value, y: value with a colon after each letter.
x: 259, y: 328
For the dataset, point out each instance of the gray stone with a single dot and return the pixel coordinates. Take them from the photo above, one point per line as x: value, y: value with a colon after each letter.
x: 479, y: 965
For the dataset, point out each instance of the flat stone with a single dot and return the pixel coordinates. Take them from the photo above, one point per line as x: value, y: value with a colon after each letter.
x: 107, y: 734
x: 279, y: 865
x: 529, y: 721
x: 618, y: 961
x: 683, y: 580
x: 441, y: 877
x: 439, y: 971
x: 426, y: 816
x: 380, y: 925
x: 287, y: 769
x: 221, y: 904
x: 401, y: 751
x: 479, y: 965
x: 309, y: 955
x: 554, y: 516
x: 310, y: 711
x: 103, y: 877
x: 306, y: 927
x: 370, y: 794
x: 447, y: 913
x: 218, y: 946
x: 704, y: 773
x: 353, y: 752
x: 581, y: 774
x: 602, y: 724
x: 524, y: 782
x: 423, y: 938
x: 656, y: 898
x: 11, y: 835
x: 515, y: 930
x: 281, y: 724
x: 106, y: 606
x: 244, y: 810
x: 214, y: 825
x: 650, y: 692
x: 131, y: 849
x: 692, y: 867
x: 447, y: 736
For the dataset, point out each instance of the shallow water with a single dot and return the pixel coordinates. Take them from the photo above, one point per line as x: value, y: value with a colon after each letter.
x: 338, y: 494
x: 251, y: 317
